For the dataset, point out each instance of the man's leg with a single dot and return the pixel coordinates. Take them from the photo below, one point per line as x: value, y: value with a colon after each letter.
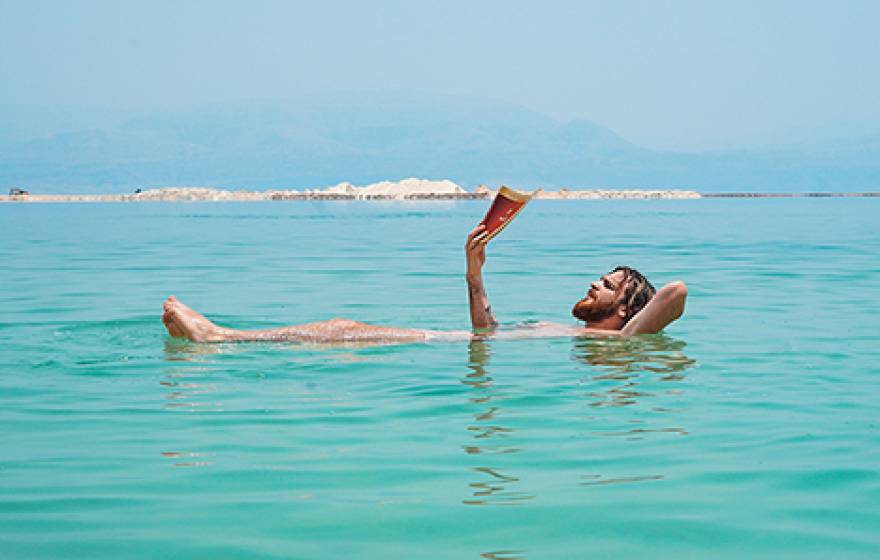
x: 183, y: 322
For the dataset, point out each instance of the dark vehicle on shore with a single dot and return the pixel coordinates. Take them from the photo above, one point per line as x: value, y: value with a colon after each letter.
x: 15, y: 191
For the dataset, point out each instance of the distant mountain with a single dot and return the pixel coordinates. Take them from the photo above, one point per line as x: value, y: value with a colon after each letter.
x: 365, y: 137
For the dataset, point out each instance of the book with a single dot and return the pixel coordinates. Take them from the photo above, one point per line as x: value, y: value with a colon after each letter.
x: 505, y: 207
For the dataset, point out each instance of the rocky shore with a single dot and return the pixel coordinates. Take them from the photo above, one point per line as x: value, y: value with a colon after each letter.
x: 407, y: 189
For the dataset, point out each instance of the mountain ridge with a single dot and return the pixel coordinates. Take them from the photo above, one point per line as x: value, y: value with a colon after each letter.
x: 363, y: 137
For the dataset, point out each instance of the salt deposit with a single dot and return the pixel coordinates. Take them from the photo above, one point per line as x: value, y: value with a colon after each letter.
x: 406, y: 189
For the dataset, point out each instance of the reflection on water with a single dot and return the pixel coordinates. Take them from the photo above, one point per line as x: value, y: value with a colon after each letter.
x: 183, y: 383
x: 637, y: 372
x: 494, y: 487
x: 629, y: 364
x: 623, y: 372
x: 598, y: 480
x: 188, y: 458
x: 178, y: 350
x: 503, y: 555
x: 494, y: 490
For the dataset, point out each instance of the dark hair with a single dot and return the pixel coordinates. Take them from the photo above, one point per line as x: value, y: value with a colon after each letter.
x: 638, y: 291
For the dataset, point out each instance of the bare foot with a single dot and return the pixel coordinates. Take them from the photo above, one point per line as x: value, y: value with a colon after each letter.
x: 183, y: 322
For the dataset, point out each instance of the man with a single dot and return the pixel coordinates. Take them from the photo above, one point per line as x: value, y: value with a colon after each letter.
x: 622, y: 302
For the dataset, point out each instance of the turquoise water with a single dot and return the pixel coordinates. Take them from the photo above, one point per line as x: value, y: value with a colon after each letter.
x: 750, y: 429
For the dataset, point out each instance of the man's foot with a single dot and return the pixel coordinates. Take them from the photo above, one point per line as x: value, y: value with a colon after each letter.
x: 183, y: 322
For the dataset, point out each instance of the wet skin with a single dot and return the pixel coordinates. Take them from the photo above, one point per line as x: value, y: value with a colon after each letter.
x: 601, y: 307
x: 183, y: 322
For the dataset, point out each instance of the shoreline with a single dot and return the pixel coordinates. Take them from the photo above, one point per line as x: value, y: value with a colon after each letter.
x: 246, y: 196
x: 406, y: 190
x: 791, y: 195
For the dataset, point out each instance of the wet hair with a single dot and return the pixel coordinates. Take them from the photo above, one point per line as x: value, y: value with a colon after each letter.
x: 638, y: 291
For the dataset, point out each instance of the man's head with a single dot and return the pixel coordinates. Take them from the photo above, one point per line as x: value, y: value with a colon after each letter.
x: 615, y: 298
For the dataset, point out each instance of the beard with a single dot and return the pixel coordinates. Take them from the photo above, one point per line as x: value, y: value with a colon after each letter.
x: 592, y: 311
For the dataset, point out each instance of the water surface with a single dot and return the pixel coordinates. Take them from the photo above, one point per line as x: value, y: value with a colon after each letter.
x: 749, y: 429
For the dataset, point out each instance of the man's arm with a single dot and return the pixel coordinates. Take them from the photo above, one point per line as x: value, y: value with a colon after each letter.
x: 475, y: 250
x: 666, y: 306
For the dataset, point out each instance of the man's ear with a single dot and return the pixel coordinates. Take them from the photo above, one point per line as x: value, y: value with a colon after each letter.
x: 621, y: 311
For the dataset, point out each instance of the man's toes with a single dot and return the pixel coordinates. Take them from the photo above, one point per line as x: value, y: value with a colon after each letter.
x: 173, y: 329
x: 166, y: 320
x: 170, y: 327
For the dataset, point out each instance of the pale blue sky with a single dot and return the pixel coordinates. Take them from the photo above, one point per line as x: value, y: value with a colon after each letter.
x: 667, y: 75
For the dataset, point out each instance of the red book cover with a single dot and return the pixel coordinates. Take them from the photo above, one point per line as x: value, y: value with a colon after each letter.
x: 506, y: 205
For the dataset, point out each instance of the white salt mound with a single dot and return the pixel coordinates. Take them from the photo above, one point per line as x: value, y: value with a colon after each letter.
x: 397, y: 189
x: 341, y: 188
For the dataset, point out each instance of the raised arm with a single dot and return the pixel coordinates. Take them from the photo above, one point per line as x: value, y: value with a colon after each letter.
x: 475, y: 250
x: 666, y: 306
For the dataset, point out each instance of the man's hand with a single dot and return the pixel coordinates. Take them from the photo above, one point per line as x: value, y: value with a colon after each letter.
x: 475, y: 250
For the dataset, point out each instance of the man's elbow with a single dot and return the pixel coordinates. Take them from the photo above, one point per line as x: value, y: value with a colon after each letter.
x: 679, y: 289
x: 677, y: 293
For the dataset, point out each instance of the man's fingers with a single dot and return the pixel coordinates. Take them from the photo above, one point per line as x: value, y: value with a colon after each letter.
x: 474, y: 233
x: 479, y: 240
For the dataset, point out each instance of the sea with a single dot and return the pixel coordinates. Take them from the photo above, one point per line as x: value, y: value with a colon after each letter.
x: 750, y: 428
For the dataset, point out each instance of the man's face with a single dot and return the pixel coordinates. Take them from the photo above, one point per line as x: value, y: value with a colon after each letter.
x: 603, y: 298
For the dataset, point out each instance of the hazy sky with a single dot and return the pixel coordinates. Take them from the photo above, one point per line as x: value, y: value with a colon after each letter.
x: 667, y: 75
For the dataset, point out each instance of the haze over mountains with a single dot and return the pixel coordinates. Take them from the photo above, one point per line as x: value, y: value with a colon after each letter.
x: 365, y: 137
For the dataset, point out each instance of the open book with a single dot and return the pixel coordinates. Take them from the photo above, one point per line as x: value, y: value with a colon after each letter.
x: 506, y: 205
